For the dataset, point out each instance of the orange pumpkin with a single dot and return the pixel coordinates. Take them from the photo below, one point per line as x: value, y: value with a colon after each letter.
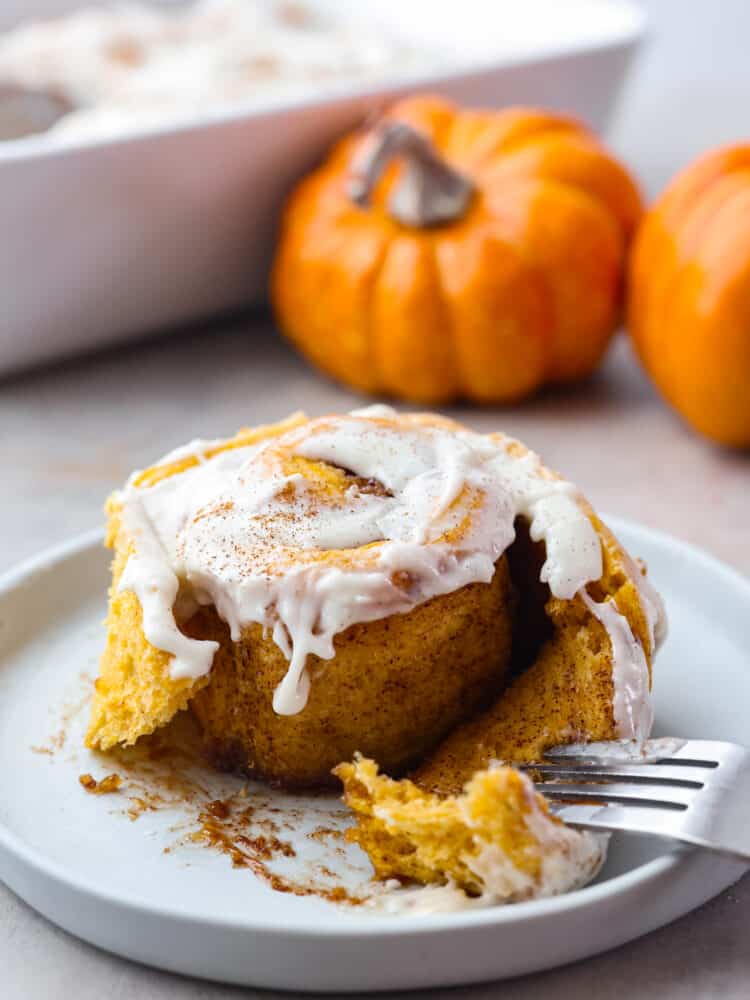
x: 452, y: 253
x: 689, y: 304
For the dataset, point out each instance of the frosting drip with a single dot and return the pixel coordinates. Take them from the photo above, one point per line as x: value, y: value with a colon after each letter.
x: 342, y: 520
x: 634, y: 715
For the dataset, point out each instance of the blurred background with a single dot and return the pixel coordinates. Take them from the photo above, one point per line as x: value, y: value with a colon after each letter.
x: 688, y: 90
x: 73, y: 429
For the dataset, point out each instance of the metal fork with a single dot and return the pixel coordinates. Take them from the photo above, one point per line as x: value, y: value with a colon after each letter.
x: 698, y: 794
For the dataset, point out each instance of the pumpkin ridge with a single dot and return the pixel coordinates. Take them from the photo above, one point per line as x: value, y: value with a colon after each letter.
x: 389, y: 316
x: 591, y: 199
x: 715, y: 384
x: 462, y: 380
x: 554, y: 127
x: 618, y: 186
x: 688, y: 233
x: 716, y: 224
x: 368, y: 320
x: 509, y: 148
x: 474, y: 152
x: 317, y: 208
x: 516, y: 184
x: 447, y: 315
x: 693, y: 181
x: 721, y: 238
x: 484, y: 165
x: 533, y: 286
x: 558, y: 367
x: 540, y: 278
x: 689, y: 184
x: 688, y: 236
x: 689, y: 308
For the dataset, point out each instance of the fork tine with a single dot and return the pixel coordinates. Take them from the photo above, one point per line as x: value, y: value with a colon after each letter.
x: 705, y: 753
x: 615, y: 752
x: 698, y: 794
x: 698, y: 753
x: 667, y: 797
x: 628, y: 819
x: 647, y: 774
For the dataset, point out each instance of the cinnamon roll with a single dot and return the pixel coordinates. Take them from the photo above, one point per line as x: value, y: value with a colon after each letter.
x: 388, y: 584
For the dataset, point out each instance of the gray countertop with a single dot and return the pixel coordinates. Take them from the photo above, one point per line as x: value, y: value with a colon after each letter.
x: 71, y: 433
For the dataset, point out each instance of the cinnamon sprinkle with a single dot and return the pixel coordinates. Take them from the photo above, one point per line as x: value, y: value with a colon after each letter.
x: 253, y: 827
x: 164, y: 772
x: 105, y: 786
x: 226, y: 829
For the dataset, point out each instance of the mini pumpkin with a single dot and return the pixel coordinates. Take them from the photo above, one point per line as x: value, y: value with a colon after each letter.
x: 449, y: 253
x: 689, y: 303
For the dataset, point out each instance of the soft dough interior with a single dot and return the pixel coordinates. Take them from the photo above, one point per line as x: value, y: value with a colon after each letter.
x: 497, y: 839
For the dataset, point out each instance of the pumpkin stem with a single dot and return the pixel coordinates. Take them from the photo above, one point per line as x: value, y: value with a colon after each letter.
x: 428, y: 192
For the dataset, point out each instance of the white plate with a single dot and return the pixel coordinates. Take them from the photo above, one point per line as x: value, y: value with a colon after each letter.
x: 179, y: 222
x: 78, y: 860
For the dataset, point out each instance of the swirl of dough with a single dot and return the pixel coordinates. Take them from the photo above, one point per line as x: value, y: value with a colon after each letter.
x: 338, y: 520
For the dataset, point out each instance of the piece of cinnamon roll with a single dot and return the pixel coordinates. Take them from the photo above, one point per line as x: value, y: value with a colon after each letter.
x: 497, y: 842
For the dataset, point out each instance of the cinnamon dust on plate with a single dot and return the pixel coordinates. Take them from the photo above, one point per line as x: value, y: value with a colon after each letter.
x: 253, y: 826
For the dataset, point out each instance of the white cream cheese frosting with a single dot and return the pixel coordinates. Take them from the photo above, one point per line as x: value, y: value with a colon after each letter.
x: 633, y: 712
x: 239, y: 531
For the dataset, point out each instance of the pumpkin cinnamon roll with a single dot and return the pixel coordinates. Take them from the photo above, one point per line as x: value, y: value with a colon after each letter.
x: 377, y: 583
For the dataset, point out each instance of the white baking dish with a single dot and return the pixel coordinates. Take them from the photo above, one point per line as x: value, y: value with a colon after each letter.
x: 110, y: 238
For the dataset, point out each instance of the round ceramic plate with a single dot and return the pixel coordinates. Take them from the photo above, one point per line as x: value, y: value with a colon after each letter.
x: 156, y: 872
